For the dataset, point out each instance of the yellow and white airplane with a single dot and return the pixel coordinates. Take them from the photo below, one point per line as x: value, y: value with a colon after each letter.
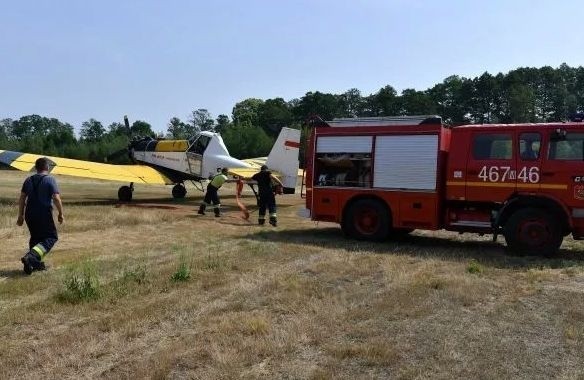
x: 174, y: 162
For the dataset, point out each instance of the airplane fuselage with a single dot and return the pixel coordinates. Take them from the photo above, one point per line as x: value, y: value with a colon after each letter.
x: 183, y: 160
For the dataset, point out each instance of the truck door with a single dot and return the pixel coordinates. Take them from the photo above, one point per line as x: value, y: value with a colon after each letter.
x: 491, y: 166
x: 562, y: 174
x: 529, y: 161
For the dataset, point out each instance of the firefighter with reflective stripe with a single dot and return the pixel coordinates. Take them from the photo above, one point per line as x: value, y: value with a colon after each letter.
x: 35, y: 206
x: 267, y: 200
x: 212, y: 195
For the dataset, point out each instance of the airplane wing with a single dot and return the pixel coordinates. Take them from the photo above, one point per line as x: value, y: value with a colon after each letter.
x: 257, y: 163
x: 86, y: 169
x: 255, y: 166
x: 245, y: 173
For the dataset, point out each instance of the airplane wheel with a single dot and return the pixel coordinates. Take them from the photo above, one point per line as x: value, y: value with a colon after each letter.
x: 179, y: 191
x: 125, y: 194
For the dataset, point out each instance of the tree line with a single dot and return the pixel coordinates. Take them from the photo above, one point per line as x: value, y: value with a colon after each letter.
x: 521, y: 95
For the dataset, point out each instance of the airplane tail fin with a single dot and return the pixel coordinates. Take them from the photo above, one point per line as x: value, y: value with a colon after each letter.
x: 283, y: 158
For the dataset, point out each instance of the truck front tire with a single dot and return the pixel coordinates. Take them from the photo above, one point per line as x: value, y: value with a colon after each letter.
x: 367, y: 219
x: 532, y: 232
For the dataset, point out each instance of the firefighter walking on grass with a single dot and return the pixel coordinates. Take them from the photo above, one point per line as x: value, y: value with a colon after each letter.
x: 212, y: 194
x: 35, y: 206
x: 267, y: 199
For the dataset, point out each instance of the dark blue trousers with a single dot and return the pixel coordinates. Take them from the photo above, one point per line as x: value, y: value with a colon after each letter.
x: 43, y: 232
x: 212, y: 196
x: 267, y: 201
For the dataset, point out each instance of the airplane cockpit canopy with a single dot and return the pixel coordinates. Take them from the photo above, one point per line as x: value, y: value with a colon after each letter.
x: 199, y: 144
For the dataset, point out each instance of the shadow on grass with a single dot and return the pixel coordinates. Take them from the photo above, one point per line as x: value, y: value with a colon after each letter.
x: 11, y: 273
x: 488, y: 253
x: 98, y: 201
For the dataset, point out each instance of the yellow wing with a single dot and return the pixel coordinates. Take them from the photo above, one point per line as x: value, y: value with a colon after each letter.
x: 86, y: 169
x: 257, y: 162
x: 244, y: 173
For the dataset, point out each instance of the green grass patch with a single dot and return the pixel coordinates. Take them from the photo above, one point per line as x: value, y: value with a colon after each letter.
x: 130, y: 280
x: 183, y: 272
x: 80, y: 285
x: 474, y: 267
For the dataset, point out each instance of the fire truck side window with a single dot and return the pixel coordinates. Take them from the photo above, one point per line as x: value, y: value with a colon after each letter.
x: 492, y: 146
x: 343, y: 169
x: 529, y: 146
x: 569, y: 148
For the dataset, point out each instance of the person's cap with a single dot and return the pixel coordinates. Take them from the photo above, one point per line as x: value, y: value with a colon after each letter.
x: 264, y: 168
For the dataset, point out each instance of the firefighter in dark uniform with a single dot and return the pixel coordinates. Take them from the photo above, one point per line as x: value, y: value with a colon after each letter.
x: 212, y: 194
x: 267, y: 199
x: 35, y: 206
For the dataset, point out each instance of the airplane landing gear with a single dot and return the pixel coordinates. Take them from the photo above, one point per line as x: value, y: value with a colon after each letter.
x: 125, y: 193
x: 179, y: 191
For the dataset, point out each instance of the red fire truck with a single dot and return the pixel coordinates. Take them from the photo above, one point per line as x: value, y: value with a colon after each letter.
x: 379, y: 177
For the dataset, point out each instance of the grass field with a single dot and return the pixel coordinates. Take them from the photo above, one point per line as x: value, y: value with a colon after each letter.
x: 155, y: 291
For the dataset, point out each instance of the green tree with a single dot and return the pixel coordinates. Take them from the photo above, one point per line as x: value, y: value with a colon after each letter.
x: 177, y: 129
x: 412, y: 102
x: 5, y: 128
x: 273, y: 115
x: 26, y: 127
x: 246, y: 141
x: 522, y: 107
x: 141, y: 128
x: 247, y: 111
x: 222, y: 123
x: 318, y: 103
x: 452, y: 99
x: 385, y: 102
x: 351, y: 103
x: 485, y: 101
x: 91, y: 130
x: 201, y: 120
x: 59, y: 137
x: 117, y: 129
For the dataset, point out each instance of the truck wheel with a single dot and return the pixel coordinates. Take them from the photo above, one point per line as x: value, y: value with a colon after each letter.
x: 532, y: 231
x: 367, y: 219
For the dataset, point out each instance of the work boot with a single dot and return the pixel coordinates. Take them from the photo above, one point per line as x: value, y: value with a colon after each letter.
x: 274, y: 222
x: 201, y: 209
x: 217, y: 212
x: 26, y: 265
x: 41, y: 266
x: 261, y: 222
x: 31, y: 262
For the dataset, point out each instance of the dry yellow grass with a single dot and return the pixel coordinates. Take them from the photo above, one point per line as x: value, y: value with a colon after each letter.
x: 297, y: 301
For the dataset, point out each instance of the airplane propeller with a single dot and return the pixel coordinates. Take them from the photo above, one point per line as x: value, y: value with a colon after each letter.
x: 125, y: 152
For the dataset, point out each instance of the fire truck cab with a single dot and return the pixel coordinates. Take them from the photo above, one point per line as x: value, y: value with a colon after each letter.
x: 379, y: 177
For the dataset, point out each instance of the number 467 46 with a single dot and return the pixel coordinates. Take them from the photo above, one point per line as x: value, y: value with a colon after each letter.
x: 505, y: 173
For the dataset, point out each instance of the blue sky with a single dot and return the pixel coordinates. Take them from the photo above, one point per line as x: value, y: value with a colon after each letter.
x: 156, y: 59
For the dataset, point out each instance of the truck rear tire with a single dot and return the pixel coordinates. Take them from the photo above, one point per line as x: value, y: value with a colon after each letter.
x: 367, y: 219
x: 533, y: 232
